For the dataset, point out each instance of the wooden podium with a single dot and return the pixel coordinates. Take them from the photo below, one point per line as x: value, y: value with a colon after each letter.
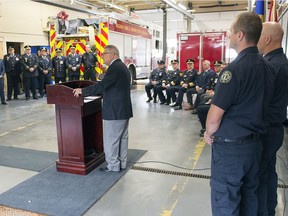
x: 79, y: 128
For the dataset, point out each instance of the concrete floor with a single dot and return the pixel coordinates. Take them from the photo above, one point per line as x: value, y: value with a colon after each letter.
x: 167, y: 135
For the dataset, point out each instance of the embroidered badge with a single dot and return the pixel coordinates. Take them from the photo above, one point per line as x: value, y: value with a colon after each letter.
x: 226, y: 76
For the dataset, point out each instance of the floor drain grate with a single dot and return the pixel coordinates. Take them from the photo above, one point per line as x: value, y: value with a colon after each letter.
x: 146, y: 169
x: 185, y: 174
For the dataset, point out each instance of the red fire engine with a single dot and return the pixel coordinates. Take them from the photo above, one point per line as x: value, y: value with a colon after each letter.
x: 138, y: 44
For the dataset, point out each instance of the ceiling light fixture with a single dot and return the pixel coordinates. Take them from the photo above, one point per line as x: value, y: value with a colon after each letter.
x: 172, y: 4
x: 85, y: 3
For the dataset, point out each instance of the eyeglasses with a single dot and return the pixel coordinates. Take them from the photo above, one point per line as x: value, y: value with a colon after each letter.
x: 106, y: 53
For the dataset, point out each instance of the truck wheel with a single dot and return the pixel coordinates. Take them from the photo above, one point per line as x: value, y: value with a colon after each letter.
x: 133, y: 76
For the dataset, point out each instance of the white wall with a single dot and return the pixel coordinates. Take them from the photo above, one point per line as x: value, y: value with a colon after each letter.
x: 23, y: 21
x: 201, y: 22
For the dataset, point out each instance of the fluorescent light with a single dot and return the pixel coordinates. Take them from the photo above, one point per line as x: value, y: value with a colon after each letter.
x: 178, y: 8
x: 182, y: 6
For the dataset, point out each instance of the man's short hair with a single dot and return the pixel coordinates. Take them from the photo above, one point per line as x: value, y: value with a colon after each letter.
x: 114, y: 49
x: 250, y: 24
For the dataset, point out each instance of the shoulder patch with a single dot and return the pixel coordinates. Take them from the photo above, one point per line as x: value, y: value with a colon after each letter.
x: 225, y: 77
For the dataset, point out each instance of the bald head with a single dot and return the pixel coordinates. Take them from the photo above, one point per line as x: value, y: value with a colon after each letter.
x: 271, y: 37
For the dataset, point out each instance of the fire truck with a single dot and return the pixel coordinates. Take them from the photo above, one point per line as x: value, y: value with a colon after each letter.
x: 138, y: 44
x: 200, y: 46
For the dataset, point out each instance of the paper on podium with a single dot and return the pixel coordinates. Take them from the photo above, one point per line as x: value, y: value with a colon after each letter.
x: 90, y: 98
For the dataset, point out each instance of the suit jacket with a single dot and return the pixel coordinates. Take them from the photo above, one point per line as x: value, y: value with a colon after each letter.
x: 204, y: 78
x: 115, y: 87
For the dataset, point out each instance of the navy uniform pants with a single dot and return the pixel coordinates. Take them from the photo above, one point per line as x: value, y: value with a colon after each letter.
x: 58, y: 79
x: 43, y: 81
x: 12, y: 84
x: 148, y: 88
x: 267, y: 191
x: 172, y: 92
x: 159, y: 90
x: 30, y: 84
x: 189, y: 94
x: 234, y: 178
x: 179, y: 100
x: 202, y: 112
x: 90, y: 73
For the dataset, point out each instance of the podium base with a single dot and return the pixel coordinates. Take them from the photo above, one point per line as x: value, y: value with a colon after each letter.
x: 80, y: 168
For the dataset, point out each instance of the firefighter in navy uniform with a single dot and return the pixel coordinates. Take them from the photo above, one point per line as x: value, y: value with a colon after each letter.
x: 204, y: 106
x: 235, y: 121
x: 188, y: 82
x: 45, y: 71
x: 12, y: 68
x: 29, y: 64
x: 89, y: 61
x: 169, y: 81
x: 59, y: 66
x: 155, y: 80
x: 214, y: 79
x: 73, y: 64
x: 270, y: 45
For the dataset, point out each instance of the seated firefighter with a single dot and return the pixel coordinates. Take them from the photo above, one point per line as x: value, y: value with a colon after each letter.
x: 187, y: 82
x: 155, y: 80
x: 172, y: 79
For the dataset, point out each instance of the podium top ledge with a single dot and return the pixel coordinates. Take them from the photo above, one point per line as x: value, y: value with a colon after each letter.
x: 62, y: 93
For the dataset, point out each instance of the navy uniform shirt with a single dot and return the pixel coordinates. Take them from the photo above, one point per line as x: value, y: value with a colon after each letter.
x: 243, y: 91
x: 29, y: 61
x: 89, y: 60
x: 278, y: 106
x: 171, y: 77
x: 59, y: 66
x: 189, y: 77
x: 157, y: 75
x: 45, y: 63
x: 73, y: 60
x: 12, y: 64
x: 213, y: 82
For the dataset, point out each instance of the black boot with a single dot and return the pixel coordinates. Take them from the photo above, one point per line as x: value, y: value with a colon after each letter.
x: 149, y: 99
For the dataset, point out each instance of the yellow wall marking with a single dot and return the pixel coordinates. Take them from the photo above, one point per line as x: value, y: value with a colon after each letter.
x: 179, y: 187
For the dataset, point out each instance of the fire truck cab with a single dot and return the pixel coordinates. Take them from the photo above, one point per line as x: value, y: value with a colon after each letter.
x: 138, y: 44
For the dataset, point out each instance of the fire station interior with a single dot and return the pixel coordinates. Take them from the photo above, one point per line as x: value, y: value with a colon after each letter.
x: 169, y: 164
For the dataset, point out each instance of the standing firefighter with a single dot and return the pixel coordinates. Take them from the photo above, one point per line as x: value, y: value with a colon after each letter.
x: 73, y: 64
x: 89, y: 61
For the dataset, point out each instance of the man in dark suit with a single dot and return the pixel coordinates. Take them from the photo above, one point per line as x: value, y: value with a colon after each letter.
x: 117, y: 108
x: 202, y: 83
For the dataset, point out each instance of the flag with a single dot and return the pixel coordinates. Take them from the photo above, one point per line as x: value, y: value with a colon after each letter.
x: 259, y: 9
x: 273, y: 12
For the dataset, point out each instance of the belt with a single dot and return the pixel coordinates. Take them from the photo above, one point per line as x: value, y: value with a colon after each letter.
x: 250, y: 137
